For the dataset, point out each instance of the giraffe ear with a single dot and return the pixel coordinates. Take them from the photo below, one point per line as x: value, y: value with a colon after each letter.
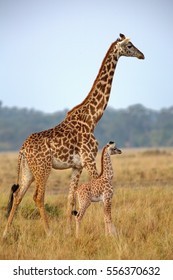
x: 122, y: 36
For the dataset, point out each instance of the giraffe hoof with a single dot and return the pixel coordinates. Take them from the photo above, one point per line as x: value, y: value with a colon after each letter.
x: 48, y: 232
x: 68, y: 230
x: 4, y: 236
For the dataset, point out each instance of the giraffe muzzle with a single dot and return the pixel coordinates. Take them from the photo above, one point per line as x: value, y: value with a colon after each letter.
x: 118, y: 151
x: 141, y: 56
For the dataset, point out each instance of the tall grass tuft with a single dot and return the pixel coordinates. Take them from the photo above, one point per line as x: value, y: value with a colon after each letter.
x: 142, y: 211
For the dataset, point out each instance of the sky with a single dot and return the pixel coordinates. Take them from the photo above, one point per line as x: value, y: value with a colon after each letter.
x: 51, y: 52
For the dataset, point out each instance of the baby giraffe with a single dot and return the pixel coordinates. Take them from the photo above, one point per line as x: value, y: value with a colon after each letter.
x: 99, y: 189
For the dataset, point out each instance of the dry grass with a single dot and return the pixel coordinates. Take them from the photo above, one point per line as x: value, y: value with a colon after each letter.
x: 142, y: 213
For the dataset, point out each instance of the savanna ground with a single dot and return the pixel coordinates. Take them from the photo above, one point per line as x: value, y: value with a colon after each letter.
x: 142, y: 212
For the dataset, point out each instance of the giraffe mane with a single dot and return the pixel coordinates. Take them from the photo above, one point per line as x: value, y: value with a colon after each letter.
x: 102, y: 160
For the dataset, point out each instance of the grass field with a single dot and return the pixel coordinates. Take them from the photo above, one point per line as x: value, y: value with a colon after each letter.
x: 142, y: 212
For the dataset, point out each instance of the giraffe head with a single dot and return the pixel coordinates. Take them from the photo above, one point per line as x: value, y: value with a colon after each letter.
x: 125, y: 48
x: 112, y: 148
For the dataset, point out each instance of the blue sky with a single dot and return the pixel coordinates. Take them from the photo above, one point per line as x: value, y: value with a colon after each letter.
x: 51, y: 52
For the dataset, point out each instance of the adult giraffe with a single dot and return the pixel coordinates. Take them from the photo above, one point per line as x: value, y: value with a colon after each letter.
x: 70, y: 144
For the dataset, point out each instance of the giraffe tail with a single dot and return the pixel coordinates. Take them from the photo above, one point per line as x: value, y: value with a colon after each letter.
x: 74, y: 212
x: 14, y: 188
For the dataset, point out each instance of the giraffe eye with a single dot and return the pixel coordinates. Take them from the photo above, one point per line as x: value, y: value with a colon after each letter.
x: 129, y: 46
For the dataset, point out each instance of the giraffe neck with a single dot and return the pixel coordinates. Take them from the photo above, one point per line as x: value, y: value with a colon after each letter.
x: 91, y: 109
x: 106, y: 165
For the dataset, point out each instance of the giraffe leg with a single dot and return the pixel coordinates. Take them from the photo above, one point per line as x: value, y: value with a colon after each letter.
x: 89, y: 151
x: 91, y: 168
x: 71, y: 197
x: 84, y: 205
x: 39, y: 201
x: 107, y: 217
x: 26, y: 179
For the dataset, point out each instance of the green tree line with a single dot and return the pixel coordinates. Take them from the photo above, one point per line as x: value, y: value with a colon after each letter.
x: 135, y: 126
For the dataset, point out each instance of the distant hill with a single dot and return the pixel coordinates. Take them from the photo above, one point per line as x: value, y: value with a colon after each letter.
x: 135, y: 126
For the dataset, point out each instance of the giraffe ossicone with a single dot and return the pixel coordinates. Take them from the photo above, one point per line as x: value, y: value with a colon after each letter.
x: 70, y: 144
